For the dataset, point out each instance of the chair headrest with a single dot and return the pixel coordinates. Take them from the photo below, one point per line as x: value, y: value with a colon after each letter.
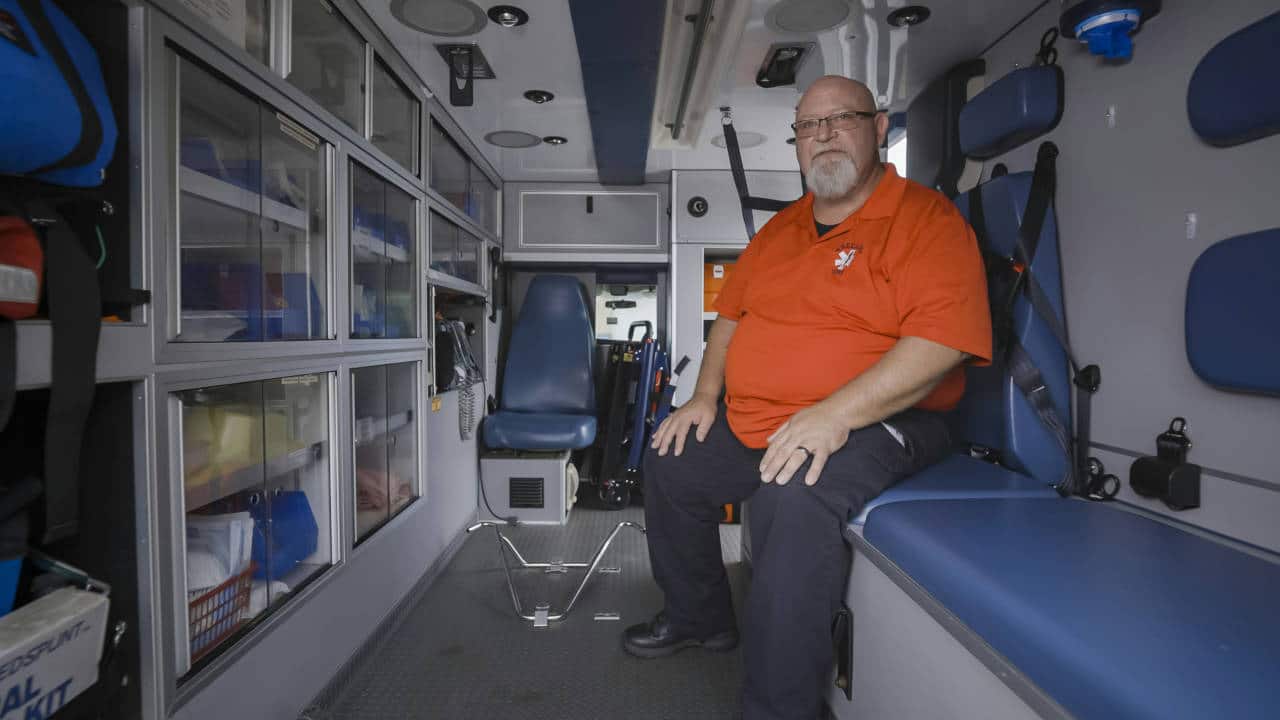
x: 550, y: 356
x: 1234, y: 94
x: 1018, y: 107
x: 1233, y: 337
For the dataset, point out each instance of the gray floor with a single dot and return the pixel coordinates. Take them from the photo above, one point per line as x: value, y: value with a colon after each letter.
x: 461, y: 652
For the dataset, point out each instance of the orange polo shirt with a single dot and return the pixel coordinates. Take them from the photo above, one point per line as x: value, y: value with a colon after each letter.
x: 815, y: 312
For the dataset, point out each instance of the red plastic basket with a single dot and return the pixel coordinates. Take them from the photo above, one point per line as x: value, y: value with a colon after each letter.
x: 218, y: 612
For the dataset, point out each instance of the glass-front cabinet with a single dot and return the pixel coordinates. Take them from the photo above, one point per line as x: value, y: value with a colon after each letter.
x: 385, y: 436
x: 454, y: 251
x: 449, y: 167
x: 394, y: 118
x: 461, y: 182
x: 257, y: 502
x: 252, y: 217
x: 327, y: 60
x: 383, y: 258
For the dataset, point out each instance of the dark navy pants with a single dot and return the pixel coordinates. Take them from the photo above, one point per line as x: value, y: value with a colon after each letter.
x: 800, y: 560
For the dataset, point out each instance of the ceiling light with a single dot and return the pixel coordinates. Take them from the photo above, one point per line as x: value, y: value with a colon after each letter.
x: 554, y: 140
x: 781, y: 63
x: 908, y: 16
x: 512, y: 139
x: 467, y: 61
x: 538, y: 97
x: 508, y: 16
x: 448, y: 18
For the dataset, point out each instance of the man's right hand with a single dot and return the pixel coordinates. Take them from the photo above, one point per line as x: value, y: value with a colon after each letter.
x: 700, y: 411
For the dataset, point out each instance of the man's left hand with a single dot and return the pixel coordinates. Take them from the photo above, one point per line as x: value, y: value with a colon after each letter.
x: 817, y: 431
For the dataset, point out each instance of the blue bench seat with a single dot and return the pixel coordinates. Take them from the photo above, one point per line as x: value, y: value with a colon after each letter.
x: 959, y: 477
x: 1113, y: 614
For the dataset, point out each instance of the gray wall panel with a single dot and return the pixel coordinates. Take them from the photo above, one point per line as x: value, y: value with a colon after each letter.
x: 906, y: 665
x: 624, y: 219
x: 1123, y: 196
x: 723, y: 221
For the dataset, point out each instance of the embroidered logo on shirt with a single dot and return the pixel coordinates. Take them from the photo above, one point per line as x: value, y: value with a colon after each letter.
x: 845, y: 256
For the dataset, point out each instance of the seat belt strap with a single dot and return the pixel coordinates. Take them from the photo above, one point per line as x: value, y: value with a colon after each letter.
x: 75, y: 313
x: 748, y: 202
x: 1030, y: 382
x: 739, y: 175
x: 1043, y: 184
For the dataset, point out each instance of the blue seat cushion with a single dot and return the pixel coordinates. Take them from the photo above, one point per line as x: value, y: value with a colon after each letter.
x: 539, y: 431
x: 1234, y: 93
x: 1114, y: 615
x: 1232, y: 334
x: 959, y: 477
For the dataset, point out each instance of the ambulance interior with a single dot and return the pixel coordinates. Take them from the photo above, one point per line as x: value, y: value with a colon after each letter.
x: 395, y: 292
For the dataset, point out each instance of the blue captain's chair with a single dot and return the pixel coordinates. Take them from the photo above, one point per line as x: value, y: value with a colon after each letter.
x: 548, y: 406
x: 548, y: 396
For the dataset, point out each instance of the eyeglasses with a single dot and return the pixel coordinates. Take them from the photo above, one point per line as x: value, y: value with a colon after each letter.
x: 846, y: 120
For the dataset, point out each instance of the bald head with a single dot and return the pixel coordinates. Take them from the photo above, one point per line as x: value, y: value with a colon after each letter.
x: 843, y: 90
x: 842, y: 156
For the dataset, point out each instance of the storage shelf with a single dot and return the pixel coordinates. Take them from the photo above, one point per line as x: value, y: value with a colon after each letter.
x: 233, y: 196
x: 367, y: 428
x: 435, y: 277
x: 212, y: 483
x: 367, y: 249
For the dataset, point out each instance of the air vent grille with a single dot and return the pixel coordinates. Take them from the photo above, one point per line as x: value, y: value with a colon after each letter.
x: 525, y: 493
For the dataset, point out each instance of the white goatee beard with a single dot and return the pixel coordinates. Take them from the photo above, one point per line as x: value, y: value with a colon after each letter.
x: 832, y: 177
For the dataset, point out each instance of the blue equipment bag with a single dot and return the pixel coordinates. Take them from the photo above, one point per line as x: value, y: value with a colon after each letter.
x: 292, y: 530
x: 56, y: 122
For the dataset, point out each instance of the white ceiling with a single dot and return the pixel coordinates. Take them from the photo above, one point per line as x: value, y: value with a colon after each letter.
x: 895, y: 63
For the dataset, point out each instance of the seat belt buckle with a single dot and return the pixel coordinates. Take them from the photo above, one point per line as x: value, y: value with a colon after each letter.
x: 1089, y: 378
x: 986, y: 454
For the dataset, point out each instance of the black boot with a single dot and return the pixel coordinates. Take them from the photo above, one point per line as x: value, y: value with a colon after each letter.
x: 657, y: 639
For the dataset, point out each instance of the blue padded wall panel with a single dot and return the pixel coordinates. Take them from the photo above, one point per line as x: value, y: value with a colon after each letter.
x: 618, y: 46
x: 1022, y: 105
x: 1234, y: 94
x: 550, y: 357
x: 993, y: 411
x: 1233, y: 297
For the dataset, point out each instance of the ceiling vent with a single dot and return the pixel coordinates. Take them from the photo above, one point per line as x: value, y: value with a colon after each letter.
x: 512, y: 139
x: 805, y: 17
x: 447, y: 18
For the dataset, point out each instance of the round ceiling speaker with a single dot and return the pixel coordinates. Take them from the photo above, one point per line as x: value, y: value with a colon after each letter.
x: 807, y: 16
x: 512, y: 139
x: 746, y: 139
x: 447, y: 18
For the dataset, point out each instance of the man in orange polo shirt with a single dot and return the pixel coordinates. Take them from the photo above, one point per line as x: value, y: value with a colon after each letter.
x: 841, y: 336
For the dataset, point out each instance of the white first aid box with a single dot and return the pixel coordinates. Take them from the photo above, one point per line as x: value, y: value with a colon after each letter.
x: 49, y: 652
